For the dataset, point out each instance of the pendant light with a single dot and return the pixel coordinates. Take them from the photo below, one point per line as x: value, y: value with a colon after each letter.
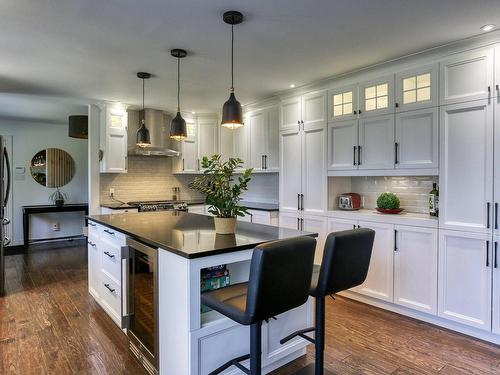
x: 232, y: 115
x: 142, y: 137
x: 178, y: 129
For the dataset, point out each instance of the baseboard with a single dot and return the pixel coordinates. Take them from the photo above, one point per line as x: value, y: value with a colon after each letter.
x: 45, y: 245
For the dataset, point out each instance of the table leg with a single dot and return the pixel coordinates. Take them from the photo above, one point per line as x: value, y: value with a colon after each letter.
x: 26, y: 229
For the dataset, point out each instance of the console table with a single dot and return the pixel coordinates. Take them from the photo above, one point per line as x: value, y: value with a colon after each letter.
x: 45, y: 208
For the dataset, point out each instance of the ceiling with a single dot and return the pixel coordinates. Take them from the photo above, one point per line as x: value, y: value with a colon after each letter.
x: 91, y: 49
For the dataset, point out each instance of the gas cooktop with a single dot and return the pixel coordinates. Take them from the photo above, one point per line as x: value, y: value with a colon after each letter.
x: 167, y: 205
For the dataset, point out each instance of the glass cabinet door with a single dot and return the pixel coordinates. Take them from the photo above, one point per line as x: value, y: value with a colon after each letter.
x: 376, y: 97
x: 417, y: 88
x: 343, y: 103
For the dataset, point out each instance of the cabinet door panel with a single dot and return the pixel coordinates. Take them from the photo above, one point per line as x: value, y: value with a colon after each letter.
x: 337, y: 225
x: 415, y: 268
x: 496, y: 163
x: 189, y: 155
x: 467, y: 76
x: 496, y: 285
x: 318, y: 225
x: 114, y: 140
x: 314, y: 177
x: 258, y: 138
x: 116, y: 152
x: 241, y: 144
x: 291, y: 113
x: 343, y: 103
x: 273, y: 141
x: 291, y: 170
x: 342, y: 140
x: 464, y: 283
x: 314, y: 112
x: 94, y: 265
x: 379, y: 282
x: 417, y: 138
x: 207, y: 138
x: 376, y: 139
x: 466, y: 166
x: 289, y: 220
x: 417, y: 88
x: 376, y: 97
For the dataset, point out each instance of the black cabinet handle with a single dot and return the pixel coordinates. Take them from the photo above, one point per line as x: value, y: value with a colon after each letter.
x: 396, y: 146
x: 91, y: 243
x: 109, y: 254
x: 298, y: 224
x: 109, y: 232
x: 298, y: 202
x: 354, y: 155
x: 488, y: 215
x: 355, y: 113
x: 182, y: 163
x: 109, y: 288
x: 262, y: 161
x: 495, y: 255
x: 354, y: 226
x: 359, y: 155
x: 301, y: 224
x: 359, y: 111
x: 298, y: 122
x: 497, y: 87
x: 487, y: 253
x: 198, y: 163
x: 489, y: 88
x: 496, y: 215
x: 395, y: 240
x: 396, y: 105
x: 265, y: 161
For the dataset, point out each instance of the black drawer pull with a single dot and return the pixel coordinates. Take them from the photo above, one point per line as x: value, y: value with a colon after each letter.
x: 495, y: 261
x: 109, y: 288
x: 91, y: 243
x: 487, y: 253
x: 109, y: 232
x: 109, y: 254
x: 488, y: 215
x: 354, y: 155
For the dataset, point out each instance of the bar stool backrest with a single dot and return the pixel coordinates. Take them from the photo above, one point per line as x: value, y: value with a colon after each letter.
x: 280, y: 277
x: 346, y: 259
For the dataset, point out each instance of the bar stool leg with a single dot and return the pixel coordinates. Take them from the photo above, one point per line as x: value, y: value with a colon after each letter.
x: 256, y: 348
x: 319, y: 336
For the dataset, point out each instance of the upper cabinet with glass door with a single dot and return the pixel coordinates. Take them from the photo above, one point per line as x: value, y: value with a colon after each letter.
x: 417, y: 88
x: 376, y: 97
x: 343, y: 103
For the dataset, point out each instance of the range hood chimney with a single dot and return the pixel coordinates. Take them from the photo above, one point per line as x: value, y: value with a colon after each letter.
x: 158, y: 124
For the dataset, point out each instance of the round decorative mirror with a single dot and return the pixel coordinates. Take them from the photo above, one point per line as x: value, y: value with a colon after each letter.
x: 52, y: 167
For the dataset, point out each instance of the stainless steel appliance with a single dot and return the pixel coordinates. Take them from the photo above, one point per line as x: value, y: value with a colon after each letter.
x: 141, y: 312
x: 4, y: 197
x: 146, y: 206
x: 350, y: 201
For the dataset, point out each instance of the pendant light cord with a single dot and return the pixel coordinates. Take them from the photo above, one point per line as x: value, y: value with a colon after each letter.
x: 143, y: 114
x: 232, y: 57
x: 178, y: 84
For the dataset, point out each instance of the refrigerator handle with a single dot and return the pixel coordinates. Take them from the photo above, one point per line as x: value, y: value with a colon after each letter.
x: 7, y: 190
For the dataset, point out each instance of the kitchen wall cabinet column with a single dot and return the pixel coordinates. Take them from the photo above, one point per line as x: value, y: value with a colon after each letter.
x: 466, y: 174
x: 415, y: 268
x: 496, y: 285
x: 464, y: 281
x: 291, y: 169
x: 263, y: 127
x: 496, y: 164
x: 113, y: 140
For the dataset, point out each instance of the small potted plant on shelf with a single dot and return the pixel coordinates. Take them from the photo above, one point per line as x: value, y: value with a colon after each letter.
x: 222, y: 192
x: 58, y: 197
x: 388, y: 203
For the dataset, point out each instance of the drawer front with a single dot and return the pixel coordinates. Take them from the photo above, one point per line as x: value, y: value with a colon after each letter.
x: 111, y: 259
x: 93, y: 230
x: 110, y: 293
x: 112, y: 235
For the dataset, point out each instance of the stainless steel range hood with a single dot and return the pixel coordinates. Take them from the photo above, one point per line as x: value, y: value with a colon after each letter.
x: 158, y: 124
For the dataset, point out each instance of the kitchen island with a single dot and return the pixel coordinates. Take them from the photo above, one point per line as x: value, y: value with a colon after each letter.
x: 167, y: 326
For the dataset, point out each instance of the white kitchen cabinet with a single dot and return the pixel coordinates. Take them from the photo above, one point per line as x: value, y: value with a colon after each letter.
x: 113, y: 140
x: 263, y: 146
x: 196, y: 209
x: 290, y: 177
x: 415, y: 268
x: 240, y: 144
x: 291, y: 113
x: 338, y: 225
x: 306, y: 110
x: 466, y: 76
x: 496, y: 163
x: 465, y: 274
x: 343, y: 103
x: 417, y: 139
x: 342, y: 145
x: 417, y: 88
x: 264, y: 217
x: 207, y: 136
x: 376, y: 142
x: 189, y: 155
x: 376, y: 97
x: 466, y: 166
x: 289, y: 220
x: 496, y: 285
x: 379, y: 281
x: 316, y: 224
x: 94, y: 259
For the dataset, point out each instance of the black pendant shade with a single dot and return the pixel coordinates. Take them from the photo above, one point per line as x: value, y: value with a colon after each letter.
x: 232, y: 114
x: 142, y: 138
x: 78, y: 126
x: 178, y: 129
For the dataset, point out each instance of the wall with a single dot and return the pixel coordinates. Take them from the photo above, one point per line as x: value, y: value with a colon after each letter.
x: 412, y: 191
x: 28, y: 139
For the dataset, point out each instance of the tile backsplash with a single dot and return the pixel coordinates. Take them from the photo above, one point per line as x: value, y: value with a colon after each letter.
x: 148, y: 178
x: 412, y: 190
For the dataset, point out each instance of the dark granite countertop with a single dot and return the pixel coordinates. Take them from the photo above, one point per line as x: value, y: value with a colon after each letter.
x: 260, y: 206
x: 192, y: 235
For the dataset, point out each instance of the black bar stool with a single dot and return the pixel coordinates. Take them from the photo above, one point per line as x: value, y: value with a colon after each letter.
x: 280, y: 279
x: 345, y: 265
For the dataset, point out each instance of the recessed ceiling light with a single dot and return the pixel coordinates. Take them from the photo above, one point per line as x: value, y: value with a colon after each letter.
x: 193, y: 112
x: 488, y: 27
x: 292, y: 86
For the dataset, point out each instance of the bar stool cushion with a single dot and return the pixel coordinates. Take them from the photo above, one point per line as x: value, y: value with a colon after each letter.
x: 230, y: 301
x: 345, y: 263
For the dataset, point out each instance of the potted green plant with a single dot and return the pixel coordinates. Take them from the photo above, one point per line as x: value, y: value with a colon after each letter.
x: 222, y: 192
x: 58, y: 197
x: 388, y: 203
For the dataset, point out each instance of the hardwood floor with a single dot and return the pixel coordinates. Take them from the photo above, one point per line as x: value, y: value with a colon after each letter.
x: 49, y: 324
